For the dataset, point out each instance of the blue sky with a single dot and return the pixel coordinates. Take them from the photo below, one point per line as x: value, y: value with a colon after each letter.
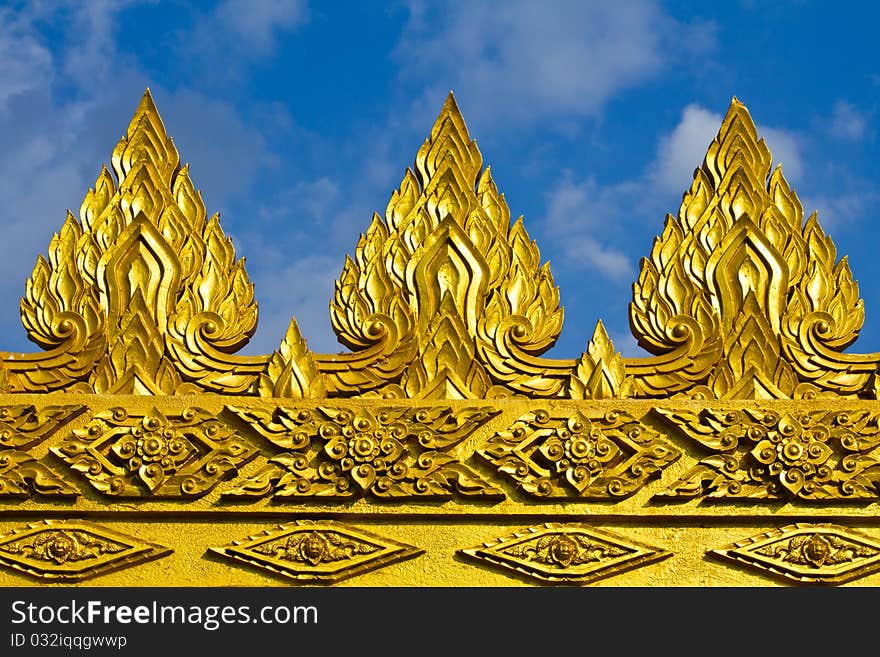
x: 299, y: 119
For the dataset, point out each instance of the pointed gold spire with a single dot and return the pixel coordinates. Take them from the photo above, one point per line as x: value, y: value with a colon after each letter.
x: 446, y: 267
x: 738, y: 259
x: 445, y: 294
x: 601, y: 373
x: 141, y: 293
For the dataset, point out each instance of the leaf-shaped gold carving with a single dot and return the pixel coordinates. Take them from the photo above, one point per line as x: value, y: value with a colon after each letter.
x: 292, y: 371
x: 444, y: 290
x: 739, y: 293
x: 445, y: 297
x: 143, y: 294
x: 601, y: 373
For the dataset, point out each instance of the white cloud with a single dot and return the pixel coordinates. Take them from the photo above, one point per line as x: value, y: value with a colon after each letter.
x: 521, y: 60
x: 605, y: 259
x: 302, y: 288
x: 256, y: 23
x: 785, y: 146
x: 845, y: 207
x: 89, y: 60
x: 683, y: 149
x: 574, y: 212
x: 847, y: 122
x: 225, y: 38
x: 25, y: 63
x: 306, y: 202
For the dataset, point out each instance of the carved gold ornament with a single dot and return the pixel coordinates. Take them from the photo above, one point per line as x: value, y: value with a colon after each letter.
x: 152, y: 455
x: 763, y: 453
x: 72, y: 550
x: 740, y: 298
x: 565, y: 553
x: 351, y: 451
x: 444, y: 298
x: 565, y: 454
x: 442, y: 422
x: 23, y: 427
x: 321, y: 552
x: 807, y: 553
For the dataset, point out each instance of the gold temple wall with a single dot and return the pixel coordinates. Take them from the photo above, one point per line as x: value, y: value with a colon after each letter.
x: 139, y: 449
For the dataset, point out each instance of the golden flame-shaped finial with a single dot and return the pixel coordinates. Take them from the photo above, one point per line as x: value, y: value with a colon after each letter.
x: 446, y: 248
x: 739, y: 248
x: 142, y: 293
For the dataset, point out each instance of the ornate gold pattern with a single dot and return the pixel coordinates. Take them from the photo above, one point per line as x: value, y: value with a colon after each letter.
x: 23, y: 427
x: 71, y: 550
x: 740, y: 298
x: 321, y: 552
x: 152, y: 455
x: 808, y: 553
x: 345, y: 452
x: 762, y: 453
x: 566, y: 454
x: 142, y: 294
x: 565, y: 553
x: 140, y: 307
x: 445, y: 299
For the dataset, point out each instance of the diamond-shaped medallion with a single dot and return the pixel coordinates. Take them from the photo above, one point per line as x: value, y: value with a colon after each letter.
x: 566, y: 553
x: 153, y: 455
x: 321, y: 552
x: 807, y: 553
x: 593, y: 456
x: 71, y: 550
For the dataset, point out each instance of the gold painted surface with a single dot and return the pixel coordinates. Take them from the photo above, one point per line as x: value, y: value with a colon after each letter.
x: 70, y: 550
x: 139, y: 448
x: 325, y: 552
x: 824, y: 554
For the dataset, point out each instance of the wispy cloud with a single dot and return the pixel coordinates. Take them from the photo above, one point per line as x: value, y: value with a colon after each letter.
x: 25, y: 62
x: 301, y: 287
x: 519, y: 62
x: 682, y: 150
x: 256, y: 24
x: 847, y: 122
x: 576, y: 213
x: 225, y: 38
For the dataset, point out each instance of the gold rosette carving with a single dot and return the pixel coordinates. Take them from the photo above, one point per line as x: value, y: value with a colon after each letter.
x: 347, y: 452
